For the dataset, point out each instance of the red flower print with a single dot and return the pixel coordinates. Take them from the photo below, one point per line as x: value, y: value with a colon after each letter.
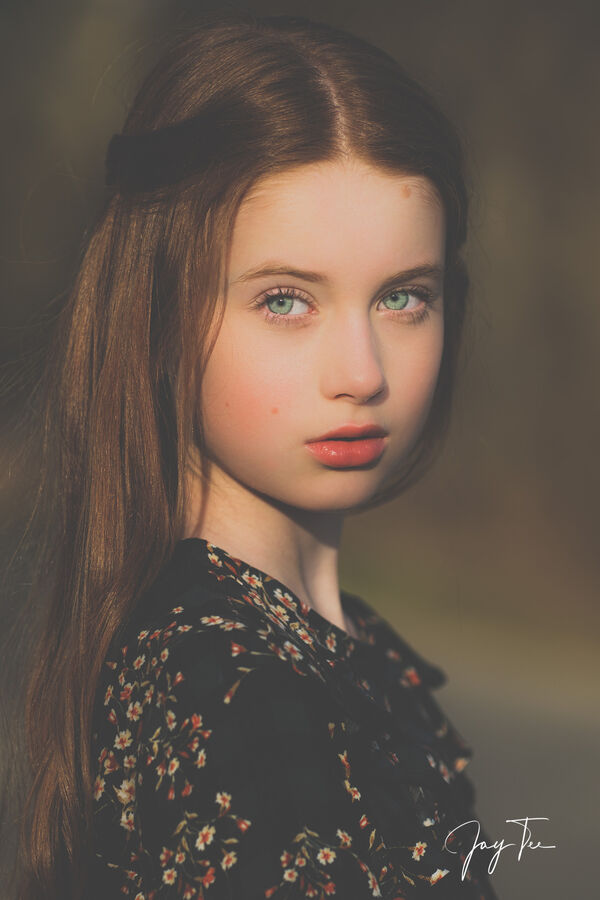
x: 201, y: 760
x: 209, y: 877
x: 293, y: 650
x: 419, y: 850
x: 211, y: 620
x: 243, y: 824
x: 326, y: 855
x: 329, y: 888
x: 373, y: 885
x: 232, y: 626
x: 108, y: 694
x: 251, y: 579
x: 110, y: 763
x: 229, y: 859
x: 171, y: 720
x: 236, y: 649
x: 169, y: 876
x: 173, y: 766
x: 139, y: 661
x: 344, y: 758
x: 178, y: 678
x: 290, y: 875
x: 353, y: 791
x: 123, y: 739
x: 98, y: 787
x: 134, y: 711
x: 224, y: 800
x: 176, y: 610
x: 305, y: 636
x: 165, y: 856
x: 127, y: 820
x: 439, y: 873
x: 187, y: 790
x: 126, y: 793
x: 125, y: 694
x: 345, y: 839
x: 205, y: 837
x: 364, y: 821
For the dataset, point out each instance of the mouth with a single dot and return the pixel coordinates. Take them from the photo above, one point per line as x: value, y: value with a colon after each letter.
x: 350, y: 446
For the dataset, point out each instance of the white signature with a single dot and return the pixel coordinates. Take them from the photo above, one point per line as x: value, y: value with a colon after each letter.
x: 499, y: 846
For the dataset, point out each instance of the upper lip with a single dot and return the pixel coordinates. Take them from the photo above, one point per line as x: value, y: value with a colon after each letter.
x: 351, y: 431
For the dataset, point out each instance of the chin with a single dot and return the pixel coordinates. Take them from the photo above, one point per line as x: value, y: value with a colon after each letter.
x: 332, y: 498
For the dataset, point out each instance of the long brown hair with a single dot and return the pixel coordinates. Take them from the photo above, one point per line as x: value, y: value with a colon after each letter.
x: 234, y: 98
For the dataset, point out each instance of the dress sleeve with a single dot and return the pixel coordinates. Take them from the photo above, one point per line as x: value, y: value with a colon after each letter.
x: 221, y: 780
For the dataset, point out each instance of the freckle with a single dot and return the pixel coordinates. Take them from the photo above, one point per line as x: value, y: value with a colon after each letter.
x: 275, y: 410
x: 227, y: 403
x: 406, y: 190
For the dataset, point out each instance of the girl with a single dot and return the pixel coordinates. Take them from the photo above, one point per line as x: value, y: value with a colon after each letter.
x: 261, y: 339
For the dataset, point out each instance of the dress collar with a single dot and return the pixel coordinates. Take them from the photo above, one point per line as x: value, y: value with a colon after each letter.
x: 279, y: 601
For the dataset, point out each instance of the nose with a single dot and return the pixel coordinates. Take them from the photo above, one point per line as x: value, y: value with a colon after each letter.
x: 351, y: 360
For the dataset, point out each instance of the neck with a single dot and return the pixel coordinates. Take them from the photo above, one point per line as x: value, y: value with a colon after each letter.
x: 297, y: 547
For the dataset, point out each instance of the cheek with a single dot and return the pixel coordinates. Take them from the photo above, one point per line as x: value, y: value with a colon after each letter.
x: 246, y: 391
x: 415, y: 376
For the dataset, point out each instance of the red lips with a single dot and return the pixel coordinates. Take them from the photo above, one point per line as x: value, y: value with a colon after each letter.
x: 350, y: 446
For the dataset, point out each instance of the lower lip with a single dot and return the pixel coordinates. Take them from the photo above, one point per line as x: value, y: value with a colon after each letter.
x: 345, y: 454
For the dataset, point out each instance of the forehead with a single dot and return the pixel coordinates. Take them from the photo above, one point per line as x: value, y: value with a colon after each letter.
x: 340, y: 210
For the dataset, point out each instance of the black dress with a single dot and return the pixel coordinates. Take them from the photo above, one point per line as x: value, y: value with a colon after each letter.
x: 247, y: 748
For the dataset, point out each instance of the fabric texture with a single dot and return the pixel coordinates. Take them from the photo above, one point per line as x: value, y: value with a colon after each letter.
x: 247, y: 748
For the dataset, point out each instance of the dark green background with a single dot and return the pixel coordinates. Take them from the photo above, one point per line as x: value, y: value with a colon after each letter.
x: 489, y: 567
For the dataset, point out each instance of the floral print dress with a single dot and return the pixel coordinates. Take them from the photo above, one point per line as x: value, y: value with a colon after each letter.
x: 247, y: 748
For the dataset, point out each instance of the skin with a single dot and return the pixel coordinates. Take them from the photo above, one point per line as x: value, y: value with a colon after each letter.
x: 347, y: 358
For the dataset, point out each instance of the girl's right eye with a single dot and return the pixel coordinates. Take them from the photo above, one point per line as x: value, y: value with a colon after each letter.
x: 283, y: 303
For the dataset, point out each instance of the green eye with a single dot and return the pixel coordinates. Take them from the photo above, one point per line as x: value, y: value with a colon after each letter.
x: 281, y: 304
x: 398, y: 299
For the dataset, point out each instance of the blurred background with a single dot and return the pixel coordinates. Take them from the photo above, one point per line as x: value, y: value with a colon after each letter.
x: 490, y: 566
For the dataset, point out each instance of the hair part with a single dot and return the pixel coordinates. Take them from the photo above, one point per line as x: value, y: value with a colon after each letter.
x: 233, y: 99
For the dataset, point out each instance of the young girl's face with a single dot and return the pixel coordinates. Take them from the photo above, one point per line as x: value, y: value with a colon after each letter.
x: 326, y: 326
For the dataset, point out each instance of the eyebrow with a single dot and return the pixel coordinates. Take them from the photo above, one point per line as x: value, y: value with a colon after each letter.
x: 426, y: 269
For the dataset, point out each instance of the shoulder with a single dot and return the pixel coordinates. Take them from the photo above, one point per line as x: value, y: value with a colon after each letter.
x: 208, y: 749
x: 182, y: 658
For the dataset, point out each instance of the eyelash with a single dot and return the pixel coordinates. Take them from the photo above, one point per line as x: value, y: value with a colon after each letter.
x: 412, y: 317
